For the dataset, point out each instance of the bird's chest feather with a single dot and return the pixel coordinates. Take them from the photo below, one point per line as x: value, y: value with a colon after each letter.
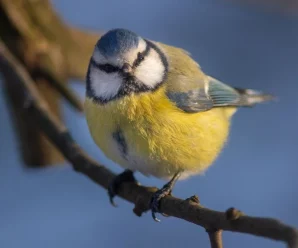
x: 148, y: 134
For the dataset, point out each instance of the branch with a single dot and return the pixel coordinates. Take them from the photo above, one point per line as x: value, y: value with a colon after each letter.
x: 29, y: 30
x: 80, y: 51
x: 190, y: 209
x: 215, y: 237
x: 46, y: 73
x: 52, y: 52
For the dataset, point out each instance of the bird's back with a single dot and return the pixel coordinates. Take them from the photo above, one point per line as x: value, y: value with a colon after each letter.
x: 184, y: 73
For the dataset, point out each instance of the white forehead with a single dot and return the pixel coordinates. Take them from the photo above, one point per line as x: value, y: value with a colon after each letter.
x: 128, y: 57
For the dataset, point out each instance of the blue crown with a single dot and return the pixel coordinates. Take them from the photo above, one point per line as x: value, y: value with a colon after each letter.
x: 117, y: 41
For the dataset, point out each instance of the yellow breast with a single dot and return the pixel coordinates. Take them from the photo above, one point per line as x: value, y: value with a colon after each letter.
x: 160, y: 139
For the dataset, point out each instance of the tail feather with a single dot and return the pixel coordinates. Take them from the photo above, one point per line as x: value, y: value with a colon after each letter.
x: 223, y: 95
x: 249, y: 97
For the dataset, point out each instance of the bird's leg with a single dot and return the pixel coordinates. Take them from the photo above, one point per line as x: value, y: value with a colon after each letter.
x: 159, y: 194
x: 125, y: 176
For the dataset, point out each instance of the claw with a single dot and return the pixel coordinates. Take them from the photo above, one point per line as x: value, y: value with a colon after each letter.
x: 112, y: 194
x: 125, y: 176
x: 161, y: 193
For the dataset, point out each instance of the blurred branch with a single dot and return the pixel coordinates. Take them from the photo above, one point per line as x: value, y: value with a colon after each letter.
x: 59, y: 85
x: 79, y: 54
x: 190, y: 209
x: 51, y: 52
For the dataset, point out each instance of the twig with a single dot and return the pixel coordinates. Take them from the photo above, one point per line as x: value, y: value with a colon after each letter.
x: 189, y: 210
x: 45, y: 72
x: 78, y: 54
x: 215, y: 237
x: 30, y: 29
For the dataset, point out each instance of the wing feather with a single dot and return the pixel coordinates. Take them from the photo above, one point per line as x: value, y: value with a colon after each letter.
x: 193, y: 91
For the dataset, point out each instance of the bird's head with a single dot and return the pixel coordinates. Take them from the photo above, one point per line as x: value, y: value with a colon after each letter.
x: 123, y: 63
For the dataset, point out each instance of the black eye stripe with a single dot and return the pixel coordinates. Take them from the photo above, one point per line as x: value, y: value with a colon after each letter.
x: 111, y: 69
x: 161, y: 55
x: 131, y: 84
x: 105, y: 67
x: 139, y: 59
x: 141, y: 56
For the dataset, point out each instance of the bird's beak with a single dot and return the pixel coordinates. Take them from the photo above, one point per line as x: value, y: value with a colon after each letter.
x: 127, y: 68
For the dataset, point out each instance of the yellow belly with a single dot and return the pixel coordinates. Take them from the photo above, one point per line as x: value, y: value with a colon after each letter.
x: 160, y: 138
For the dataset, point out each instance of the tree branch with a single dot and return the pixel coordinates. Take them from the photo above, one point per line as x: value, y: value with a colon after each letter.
x: 52, y: 52
x: 29, y: 30
x: 46, y: 73
x: 190, y: 209
x: 215, y: 237
x: 82, y: 45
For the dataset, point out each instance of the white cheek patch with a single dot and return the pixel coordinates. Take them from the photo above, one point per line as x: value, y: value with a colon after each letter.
x: 151, y: 71
x: 104, y: 85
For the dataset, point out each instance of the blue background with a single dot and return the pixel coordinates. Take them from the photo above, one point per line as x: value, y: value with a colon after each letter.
x: 257, y: 172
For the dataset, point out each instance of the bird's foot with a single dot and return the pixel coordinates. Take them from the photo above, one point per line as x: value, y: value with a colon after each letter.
x: 125, y: 176
x: 161, y: 193
x: 155, y: 200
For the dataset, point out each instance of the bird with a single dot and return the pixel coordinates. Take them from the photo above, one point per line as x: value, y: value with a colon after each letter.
x: 150, y: 108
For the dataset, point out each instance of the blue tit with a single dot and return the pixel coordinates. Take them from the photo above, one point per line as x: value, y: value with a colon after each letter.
x: 150, y: 108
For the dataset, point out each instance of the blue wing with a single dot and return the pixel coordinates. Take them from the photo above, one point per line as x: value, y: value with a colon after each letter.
x: 221, y: 94
x: 215, y: 94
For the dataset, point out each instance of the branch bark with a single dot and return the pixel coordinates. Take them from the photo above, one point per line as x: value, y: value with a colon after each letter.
x: 190, y: 209
x: 215, y: 237
x: 52, y: 52
x: 23, y: 34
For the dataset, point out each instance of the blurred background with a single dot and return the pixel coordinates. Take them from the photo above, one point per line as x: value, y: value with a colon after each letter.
x: 245, y: 45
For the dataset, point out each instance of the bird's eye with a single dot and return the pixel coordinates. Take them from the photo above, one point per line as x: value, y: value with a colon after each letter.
x: 140, y: 57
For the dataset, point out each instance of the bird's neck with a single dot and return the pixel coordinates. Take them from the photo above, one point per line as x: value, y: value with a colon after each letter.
x: 136, y: 105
